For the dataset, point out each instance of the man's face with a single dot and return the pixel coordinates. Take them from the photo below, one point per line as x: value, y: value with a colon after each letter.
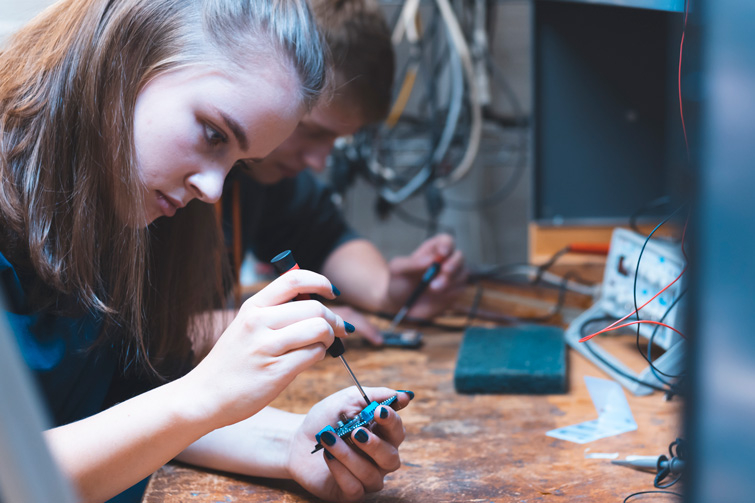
x: 310, y: 143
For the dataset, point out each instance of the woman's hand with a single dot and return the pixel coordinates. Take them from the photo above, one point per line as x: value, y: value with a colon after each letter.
x: 341, y: 472
x: 267, y: 345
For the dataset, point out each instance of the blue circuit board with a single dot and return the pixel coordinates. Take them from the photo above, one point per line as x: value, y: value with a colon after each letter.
x: 363, y: 418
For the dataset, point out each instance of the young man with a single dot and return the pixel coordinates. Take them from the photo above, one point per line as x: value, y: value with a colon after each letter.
x: 284, y: 206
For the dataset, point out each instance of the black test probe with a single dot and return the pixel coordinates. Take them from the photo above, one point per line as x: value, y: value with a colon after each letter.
x: 284, y: 262
x: 430, y: 273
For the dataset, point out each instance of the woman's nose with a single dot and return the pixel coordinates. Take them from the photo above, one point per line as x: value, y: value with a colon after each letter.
x: 207, y: 185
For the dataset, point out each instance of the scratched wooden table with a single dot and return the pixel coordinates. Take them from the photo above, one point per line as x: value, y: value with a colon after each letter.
x: 465, y: 448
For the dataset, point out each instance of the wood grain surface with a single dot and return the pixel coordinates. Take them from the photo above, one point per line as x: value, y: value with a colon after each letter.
x: 464, y: 448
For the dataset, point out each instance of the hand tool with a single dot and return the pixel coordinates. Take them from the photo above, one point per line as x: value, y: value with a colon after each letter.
x: 429, y: 275
x: 284, y: 262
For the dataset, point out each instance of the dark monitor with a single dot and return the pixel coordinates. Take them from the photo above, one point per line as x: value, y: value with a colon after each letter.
x: 606, y: 139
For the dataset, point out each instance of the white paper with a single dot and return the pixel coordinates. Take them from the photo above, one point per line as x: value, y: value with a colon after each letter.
x: 614, y: 414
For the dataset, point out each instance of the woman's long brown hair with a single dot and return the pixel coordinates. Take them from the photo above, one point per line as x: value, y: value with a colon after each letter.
x: 71, y: 208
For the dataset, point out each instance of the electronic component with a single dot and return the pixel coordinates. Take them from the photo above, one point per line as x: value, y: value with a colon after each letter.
x: 364, y: 418
x: 409, y: 339
x: 662, y: 262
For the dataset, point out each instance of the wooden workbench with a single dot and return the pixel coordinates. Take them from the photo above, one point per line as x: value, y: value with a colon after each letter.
x: 464, y: 448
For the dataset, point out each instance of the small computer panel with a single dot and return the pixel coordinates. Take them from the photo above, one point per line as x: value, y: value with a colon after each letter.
x: 638, y: 269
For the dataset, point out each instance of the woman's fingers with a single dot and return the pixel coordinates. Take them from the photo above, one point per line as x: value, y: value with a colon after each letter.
x: 383, y: 453
x: 290, y: 285
x: 303, y: 333
x: 283, y: 315
x: 363, y: 469
x: 389, y: 426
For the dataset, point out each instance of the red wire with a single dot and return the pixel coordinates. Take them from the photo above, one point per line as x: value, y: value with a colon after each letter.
x: 610, y: 328
x: 613, y: 326
x: 681, y: 48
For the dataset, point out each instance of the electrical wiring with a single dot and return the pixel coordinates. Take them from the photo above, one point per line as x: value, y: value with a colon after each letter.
x: 507, y: 188
x: 655, y: 370
x: 426, y: 173
x: 637, y: 309
x: 472, y: 314
x: 529, y: 273
x: 636, y: 273
x: 679, y: 79
x: 668, y: 390
x: 502, y: 318
x: 650, y: 492
x: 677, y: 449
x: 395, y: 188
x: 637, y: 322
x: 475, y: 134
x: 574, y: 284
x: 655, y: 203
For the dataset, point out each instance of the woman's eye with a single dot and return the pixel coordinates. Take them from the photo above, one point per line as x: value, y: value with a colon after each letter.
x: 213, y: 136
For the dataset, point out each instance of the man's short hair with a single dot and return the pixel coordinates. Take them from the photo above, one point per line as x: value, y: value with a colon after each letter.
x: 363, y: 61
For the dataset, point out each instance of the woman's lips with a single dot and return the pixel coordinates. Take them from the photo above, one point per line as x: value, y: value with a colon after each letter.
x: 167, y: 206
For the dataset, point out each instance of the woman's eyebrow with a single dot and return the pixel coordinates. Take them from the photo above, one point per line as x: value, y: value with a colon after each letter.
x: 236, y: 129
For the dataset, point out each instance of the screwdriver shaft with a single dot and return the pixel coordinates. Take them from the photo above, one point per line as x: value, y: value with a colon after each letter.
x: 354, y: 378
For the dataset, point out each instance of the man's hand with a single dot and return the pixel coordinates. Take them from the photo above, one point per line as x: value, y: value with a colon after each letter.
x: 406, y: 273
x: 363, y: 326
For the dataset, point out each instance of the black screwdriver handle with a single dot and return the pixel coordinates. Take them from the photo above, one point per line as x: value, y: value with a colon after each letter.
x: 284, y: 262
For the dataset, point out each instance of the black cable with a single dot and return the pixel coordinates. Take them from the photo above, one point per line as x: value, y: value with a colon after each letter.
x: 475, y: 305
x: 636, y: 274
x: 652, y: 336
x: 501, y: 270
x: 638, y: 493
x: 555, y: 311
x: 632, y: 378
x: 677, y: 449
x: 549, y: 263
x: 655, y: 203
x: 422, y: 322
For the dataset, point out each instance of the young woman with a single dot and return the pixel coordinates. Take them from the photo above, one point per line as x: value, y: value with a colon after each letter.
x: 119, y: 120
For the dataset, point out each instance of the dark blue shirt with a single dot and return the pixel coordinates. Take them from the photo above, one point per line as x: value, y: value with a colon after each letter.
x: 73, y: 375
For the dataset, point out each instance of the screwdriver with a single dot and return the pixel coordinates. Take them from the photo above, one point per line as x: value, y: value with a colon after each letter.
x: 430, y: 273
x: 284, y: 262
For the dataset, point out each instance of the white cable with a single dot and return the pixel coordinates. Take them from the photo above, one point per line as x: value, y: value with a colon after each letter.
x: 406, y: 22
x: 459, y: 42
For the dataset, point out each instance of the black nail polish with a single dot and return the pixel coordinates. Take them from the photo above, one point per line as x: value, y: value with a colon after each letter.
x: 329, y: 455
x: 336, y: 291
x: 349, y: 327
x: 410, y: 393
x: 383, y: 412
x: 328, y: 438
x: 361, y: 436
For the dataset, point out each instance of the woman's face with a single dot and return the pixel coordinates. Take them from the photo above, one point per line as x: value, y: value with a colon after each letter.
x: 193, y: 124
